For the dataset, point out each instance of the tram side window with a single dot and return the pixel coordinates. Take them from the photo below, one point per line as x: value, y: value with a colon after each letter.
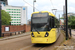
x: 50, y: 22
x: 53, y: 22
x: 56, y: 23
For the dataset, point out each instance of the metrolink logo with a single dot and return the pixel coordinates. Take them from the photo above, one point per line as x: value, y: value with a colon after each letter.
x: 24, y: 8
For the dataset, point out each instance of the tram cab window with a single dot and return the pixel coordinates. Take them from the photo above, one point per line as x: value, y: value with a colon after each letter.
x: 55, y: 22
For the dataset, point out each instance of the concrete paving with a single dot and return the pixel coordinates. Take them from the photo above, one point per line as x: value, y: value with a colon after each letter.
x: 73, y: 33
x: 15, y: 44
x: 45, y: 46
x: 68, y: 44
x: 24, y: 43
x: 15, y: 36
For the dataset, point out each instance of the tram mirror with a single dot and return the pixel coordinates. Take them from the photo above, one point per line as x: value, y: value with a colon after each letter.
x: 49, y: 28
x: 54, y: 26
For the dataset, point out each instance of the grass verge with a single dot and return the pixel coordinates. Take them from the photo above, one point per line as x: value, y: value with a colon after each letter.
x: 1, y: 37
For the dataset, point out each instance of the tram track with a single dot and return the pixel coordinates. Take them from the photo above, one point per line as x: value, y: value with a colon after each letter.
x: 24, y: 43
x: 36, y: 46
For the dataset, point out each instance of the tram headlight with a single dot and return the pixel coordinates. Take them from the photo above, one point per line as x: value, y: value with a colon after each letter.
x: 32, y: 35
x: 46, y: 35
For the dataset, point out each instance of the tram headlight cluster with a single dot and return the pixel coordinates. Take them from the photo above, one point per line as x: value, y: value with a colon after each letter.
x: 32, y: 35
x: 46, y: 35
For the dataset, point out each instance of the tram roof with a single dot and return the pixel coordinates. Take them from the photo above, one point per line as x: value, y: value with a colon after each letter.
x: 51, y: 14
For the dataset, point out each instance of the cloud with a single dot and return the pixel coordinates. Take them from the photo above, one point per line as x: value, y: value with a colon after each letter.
x: 71, y: 1
x: 71, y: 9
x: 44, y: 5
x: 16, y: 2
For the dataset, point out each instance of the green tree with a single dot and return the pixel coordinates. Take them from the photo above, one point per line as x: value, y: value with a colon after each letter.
x: 62, y: 18
x: 5, y: 17
x: 71, y: 20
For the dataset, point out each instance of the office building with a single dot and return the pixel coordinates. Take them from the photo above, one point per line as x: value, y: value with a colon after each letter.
x: 18, y: 14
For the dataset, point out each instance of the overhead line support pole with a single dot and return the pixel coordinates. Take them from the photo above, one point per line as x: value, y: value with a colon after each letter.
x: 66, y: 20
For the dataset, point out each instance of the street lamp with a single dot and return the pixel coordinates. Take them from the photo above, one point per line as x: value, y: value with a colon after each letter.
x: 33, y: 5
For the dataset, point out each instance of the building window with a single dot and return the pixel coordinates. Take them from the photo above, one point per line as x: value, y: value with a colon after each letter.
x: 14, y: 17
x: 7, y: 9
x: 11, y: 22
x: 14, y: 22
x: 14, y: 9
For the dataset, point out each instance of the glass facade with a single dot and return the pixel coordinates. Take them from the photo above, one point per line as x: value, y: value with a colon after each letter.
x: 13, y: 12
x: 15, y: 16
x: 13, y: 9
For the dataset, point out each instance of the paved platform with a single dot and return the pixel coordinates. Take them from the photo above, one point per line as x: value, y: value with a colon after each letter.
x: 15, y: 36
x: 24, y: 43
x: 68, y: 44
x: 73, y: 33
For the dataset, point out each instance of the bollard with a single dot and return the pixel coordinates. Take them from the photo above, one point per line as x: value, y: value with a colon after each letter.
x: 10, y: 34
x: 3, y: 34
x: 70, y: 31
x: 18, y: 32
x: 15, y: 33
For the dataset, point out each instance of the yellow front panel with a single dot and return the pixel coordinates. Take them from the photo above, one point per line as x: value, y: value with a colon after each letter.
x: 51, y: 14
x: 40, y: 38
x: 42, y: 34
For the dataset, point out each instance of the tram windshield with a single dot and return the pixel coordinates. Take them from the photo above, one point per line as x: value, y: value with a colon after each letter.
x: 40, y: 27
x: 40, y: 24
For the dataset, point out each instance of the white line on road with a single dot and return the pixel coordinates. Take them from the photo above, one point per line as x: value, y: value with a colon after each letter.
x: 26, y: 47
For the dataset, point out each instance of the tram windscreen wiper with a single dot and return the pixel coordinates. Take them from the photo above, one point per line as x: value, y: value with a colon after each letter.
x: 36, y: 30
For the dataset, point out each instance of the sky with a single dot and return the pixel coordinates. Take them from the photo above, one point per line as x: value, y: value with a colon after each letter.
x: 45, y: 5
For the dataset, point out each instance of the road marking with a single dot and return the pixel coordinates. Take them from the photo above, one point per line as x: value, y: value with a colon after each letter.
x: 26, y: 47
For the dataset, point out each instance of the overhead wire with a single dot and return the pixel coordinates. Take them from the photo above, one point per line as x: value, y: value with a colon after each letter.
x: 30, y: 4
x: 52, y: 3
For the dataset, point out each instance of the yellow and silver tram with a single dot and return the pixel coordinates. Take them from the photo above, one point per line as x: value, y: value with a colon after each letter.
x: 44, y: 27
